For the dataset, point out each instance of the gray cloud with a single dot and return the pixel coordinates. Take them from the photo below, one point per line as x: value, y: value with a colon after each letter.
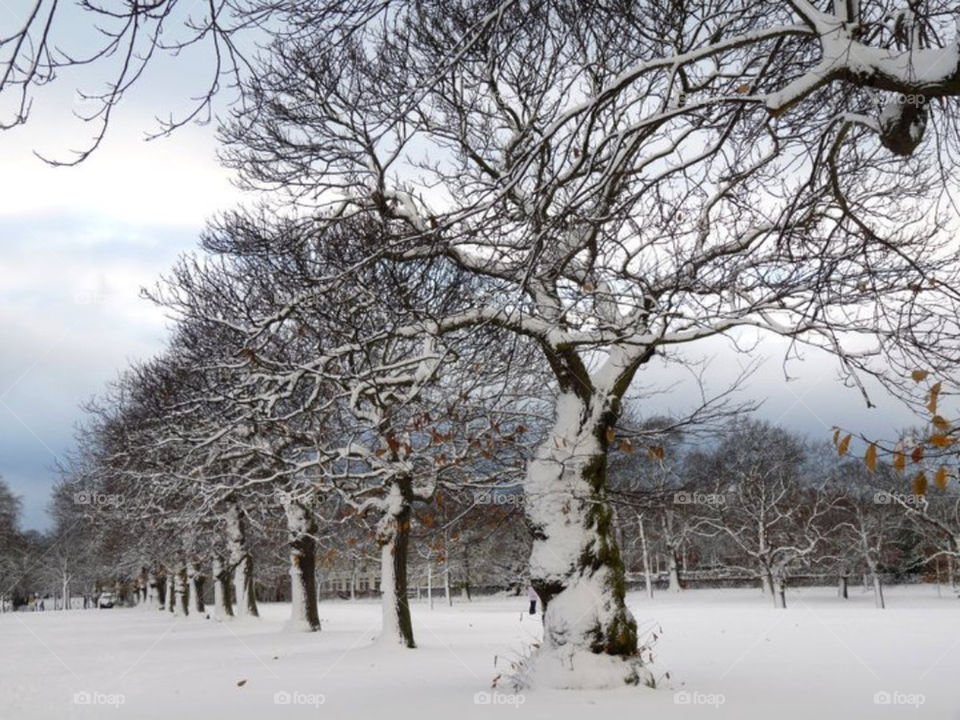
x: 72, y: 319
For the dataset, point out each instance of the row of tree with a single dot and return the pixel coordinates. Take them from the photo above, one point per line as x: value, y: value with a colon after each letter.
x: 479, y: 222
x: 759, y: 504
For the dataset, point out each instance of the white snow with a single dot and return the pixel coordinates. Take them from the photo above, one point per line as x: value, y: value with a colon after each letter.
x: 729, y: 654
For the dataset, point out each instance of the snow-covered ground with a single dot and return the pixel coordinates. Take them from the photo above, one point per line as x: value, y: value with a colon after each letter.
x: 728, y: 654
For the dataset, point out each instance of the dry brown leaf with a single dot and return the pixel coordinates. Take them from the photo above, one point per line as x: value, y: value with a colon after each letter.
x: 920, y: 483
x: 844, y: 445
x: 899, y: 461
x: 941, y: 478
x: 934, y: 396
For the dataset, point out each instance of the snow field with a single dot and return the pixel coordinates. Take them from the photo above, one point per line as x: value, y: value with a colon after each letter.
x: 729, y: 654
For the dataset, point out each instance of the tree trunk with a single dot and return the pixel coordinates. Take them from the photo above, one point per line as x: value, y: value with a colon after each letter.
x: 222, y: 590
x: 393, y: 536
x: 241, y: 562
x: 301, y: 532
x: 644, y: 551
x: 169, y: 597
x: 430, y: 583
x: 842, y: 588
x: 766, y: 582
x: 575, y: 564
x: 877, y: 589
x: 446, y: 581
x: 466, y: 571
x: 153, y: 592
x: 195, y: 589
x: 673, y: 573
x: 353, y: 577
x: 181, y: 605
x: 779, y: 594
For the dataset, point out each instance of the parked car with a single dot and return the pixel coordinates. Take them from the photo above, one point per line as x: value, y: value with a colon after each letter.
x: 105, y: 600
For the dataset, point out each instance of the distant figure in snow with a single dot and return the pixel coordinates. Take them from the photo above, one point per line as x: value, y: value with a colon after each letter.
x: 532, y: 597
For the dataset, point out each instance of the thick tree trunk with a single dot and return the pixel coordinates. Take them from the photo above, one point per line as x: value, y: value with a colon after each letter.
x: 590, y: 637
x: 302, y: 530
x: 222, y: 590
x: 241, y: 561
x: 673, y: 573
x: 154, y: 599
x: 181, y: 605
x: 393, y: 536
x: 766, y: 582
x: 195, y: 589
x: 779, y: 593
x: 842, y: 591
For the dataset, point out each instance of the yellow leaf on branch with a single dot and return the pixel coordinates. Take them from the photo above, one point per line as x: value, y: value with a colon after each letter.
x: 844, y: 445
x: 941, y: 478
x: 899, y: 461
x: 920, y: 483
x: 934, y: 396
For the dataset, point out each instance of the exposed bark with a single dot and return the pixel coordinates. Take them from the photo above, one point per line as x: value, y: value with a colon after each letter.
x: 241, y: 561
x: 673, y: 572
x: 645, y: 553
x: 575, y: 565
x: 181, y: 605
x: 301, y: 532
x: 155, y: 591
x: 779, y: 593
x: 393, y: 535
x: 170, y: 594
x: 842, y: 591
x: 877, y: 586
x: 195, y: 582
x: 222, y: 589
x: 466, y: 572
x: 766, y: 582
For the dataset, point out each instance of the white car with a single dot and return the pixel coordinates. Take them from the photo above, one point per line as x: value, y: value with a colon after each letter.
x: 105, y: 600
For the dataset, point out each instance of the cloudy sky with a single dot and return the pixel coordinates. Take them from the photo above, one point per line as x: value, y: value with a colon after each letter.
x: 77, y: 244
